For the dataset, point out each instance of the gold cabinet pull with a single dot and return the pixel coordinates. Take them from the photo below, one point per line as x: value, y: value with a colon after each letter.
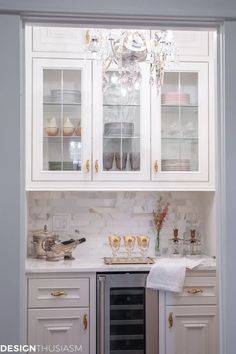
x: 87, y: 166
x: 171, y: 320
x: 58, y: 293
x: 85, y: 321
x: 195, y: 291
x: 96, y: 166
x: 156, y: 167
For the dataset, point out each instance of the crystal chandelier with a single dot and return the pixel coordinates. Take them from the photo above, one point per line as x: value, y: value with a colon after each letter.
x: 126, y: 50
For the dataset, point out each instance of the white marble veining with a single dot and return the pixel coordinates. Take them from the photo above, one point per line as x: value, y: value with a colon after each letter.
x: 98, y: 214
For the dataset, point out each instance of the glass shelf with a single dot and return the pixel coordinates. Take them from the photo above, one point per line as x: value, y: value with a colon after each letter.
x: 59, y: 137
x: 121, y: 137
x: 120, y: 105
x: 180, y: 138
x: 61, y: 104
x: 179, y: 106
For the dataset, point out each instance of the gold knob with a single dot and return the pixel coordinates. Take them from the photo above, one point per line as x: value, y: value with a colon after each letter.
x: 87, y: 166
x: 195, y: 291
x: 85, y: 321
x: 58, y: 293
x: 87, y: 37
x: 156, y: 167
x: 171, y: 320
x: 96, y: 166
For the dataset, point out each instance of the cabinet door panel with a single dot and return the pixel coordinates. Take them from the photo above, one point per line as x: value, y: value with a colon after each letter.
x: 121, y: 128
x: 62, y: 327
x: 61, y: 120
x: 193, y: 330
x: 180, y: 120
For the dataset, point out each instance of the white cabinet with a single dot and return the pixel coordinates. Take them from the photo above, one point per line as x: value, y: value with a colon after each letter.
x: 121, y: 128
x: 61, y: 327
x: 188, y: 320
x: 62, y: 312
x: 180, y: 120
x: 191, y: 329
x: 80, y: 133
x: 61, y: 120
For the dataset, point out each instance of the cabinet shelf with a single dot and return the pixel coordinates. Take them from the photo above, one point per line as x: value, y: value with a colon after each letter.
x: 179, y: 138
x: 61, y: 104
x: 178, y: 106
x: 121, y: 137
x: 120, y: 105
x: 62, y: 137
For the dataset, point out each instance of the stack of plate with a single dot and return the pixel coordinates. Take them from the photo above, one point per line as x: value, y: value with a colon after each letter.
x: 115, y: 129
x: 65, y: 166
x: 175, y: 98
x: 65, y: 96
x: 175, y: 165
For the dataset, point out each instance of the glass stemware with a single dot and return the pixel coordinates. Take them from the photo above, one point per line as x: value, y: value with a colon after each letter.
x: 129, y: 244
x: 114, y: 242
x: 143, y: 244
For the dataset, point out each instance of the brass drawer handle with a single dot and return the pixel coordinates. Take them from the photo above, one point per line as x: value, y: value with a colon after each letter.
x: 195, y: 291
x: 171, y: 320
x: 58, y: 293
x: 156, y: 167
x: 87, y: 166
x: 96, y: 166
x: 85, y: 321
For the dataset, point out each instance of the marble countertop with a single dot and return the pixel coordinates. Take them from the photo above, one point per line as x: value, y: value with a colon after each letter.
x: 97, y: 265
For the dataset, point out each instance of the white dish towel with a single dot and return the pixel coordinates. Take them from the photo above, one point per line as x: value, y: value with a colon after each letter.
x: 168, y: 274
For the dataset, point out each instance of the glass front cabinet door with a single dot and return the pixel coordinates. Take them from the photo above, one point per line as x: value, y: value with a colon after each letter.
x: 61, y: 122
x: 180, y: 121
x: 121, y: 127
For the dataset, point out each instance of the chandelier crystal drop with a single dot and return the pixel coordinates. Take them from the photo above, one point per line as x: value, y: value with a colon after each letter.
x: 126, y: 50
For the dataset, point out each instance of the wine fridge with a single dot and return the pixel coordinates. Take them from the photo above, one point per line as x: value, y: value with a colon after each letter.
x: 127, y: 314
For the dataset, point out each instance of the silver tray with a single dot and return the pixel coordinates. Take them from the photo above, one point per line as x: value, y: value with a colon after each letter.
x: 126, y: 260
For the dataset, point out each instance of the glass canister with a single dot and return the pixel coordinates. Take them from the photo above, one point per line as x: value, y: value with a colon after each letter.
x: 175, y: 245
x: 194, y: 243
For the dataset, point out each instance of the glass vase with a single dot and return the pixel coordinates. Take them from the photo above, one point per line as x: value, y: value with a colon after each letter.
x: 157, y: 244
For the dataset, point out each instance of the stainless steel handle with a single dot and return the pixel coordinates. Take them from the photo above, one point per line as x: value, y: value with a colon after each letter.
x: 101, y: 280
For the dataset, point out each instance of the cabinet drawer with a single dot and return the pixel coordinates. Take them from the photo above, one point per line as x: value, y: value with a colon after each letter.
x: 59, y: 39
x: 197, y: 290
x: 43, y: 293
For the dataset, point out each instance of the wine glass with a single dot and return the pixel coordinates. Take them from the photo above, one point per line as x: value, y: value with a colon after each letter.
x: 129, y: 244
x: 114, y: 242
x: 143, y: 244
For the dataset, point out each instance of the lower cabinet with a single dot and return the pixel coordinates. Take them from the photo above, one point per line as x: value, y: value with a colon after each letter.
x: 191, y: 330
x: 61, y: 312
x: 61, y: 327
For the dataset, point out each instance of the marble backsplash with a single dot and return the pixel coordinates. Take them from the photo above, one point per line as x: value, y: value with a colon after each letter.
x: 98, y: 214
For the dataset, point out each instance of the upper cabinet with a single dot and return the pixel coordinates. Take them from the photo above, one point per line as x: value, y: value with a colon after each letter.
x: 121, y: 128
x: 61, y: 125
x: 81, y: 135
x: 180, y: 116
